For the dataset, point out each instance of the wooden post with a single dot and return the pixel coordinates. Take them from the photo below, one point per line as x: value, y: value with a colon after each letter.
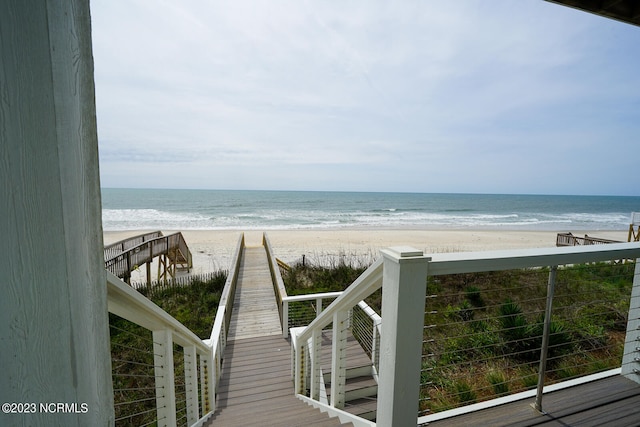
x: 165, y: 378
x: 148, y: 264
x: 404, y: 287
x: 54, y: 330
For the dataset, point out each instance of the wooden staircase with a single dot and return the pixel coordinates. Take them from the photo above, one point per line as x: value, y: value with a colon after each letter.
x: 361, y: 388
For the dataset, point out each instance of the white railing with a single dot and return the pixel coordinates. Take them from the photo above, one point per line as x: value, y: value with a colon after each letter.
x: 195, y: 399
x: 276, y: 279
x: 366, y: 327
x: 300, y: 310
x: 403, y: 273
x: 184, y: 393
x: 218, y: 339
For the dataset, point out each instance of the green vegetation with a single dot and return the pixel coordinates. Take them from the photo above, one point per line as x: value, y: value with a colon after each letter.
x: 194, y: 304
x: 305, y: 279
x: 485, y: 329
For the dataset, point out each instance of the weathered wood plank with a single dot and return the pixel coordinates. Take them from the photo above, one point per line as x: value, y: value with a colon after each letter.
x: 255, y: 311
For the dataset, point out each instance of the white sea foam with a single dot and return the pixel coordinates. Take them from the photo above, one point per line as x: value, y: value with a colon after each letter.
x: 185, y: 210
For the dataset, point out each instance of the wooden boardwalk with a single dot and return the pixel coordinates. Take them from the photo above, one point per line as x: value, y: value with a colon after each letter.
x: 256, y: 388
x: 255, y: 311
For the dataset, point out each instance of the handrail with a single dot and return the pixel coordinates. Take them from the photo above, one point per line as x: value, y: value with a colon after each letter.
x: 130, y: 305
x: 276, y: 279
x: 125, y: 302
x: 288, y: 301
x: 368, y: 282
x: 123, y: 263
x: 116, y: 248
x: 222, y: 321
x: 469, y: 262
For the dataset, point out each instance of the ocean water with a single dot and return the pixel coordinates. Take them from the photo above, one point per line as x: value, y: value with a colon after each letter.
x: 129, y: 209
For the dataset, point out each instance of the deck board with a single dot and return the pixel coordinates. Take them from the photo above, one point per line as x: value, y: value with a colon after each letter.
x: 257, y: 390
x: 255, y: 311
x: 613, y: 401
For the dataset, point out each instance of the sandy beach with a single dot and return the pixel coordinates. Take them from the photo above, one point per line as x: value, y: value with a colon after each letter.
x: 213, y: 249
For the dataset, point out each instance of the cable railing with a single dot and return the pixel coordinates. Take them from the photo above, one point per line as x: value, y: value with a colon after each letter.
x: 161, y: 370
x: 521, y: 319
x: 483, y: 331
x: 365, y: 327
x: 300, y: 310
x: 133, y: 376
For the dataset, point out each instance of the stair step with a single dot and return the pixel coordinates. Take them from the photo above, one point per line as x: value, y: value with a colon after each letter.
x: 357, y: 388
x: 364, y: 408
x: 357, y: 371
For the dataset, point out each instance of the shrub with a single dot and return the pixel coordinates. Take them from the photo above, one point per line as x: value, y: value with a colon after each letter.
x: 498, y: 381
x: 472, y: 294
x: 465, y: 393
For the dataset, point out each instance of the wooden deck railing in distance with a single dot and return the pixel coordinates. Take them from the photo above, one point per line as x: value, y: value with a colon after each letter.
x: 568, y: 239
x: 173, y: 246
x: 115, y: 249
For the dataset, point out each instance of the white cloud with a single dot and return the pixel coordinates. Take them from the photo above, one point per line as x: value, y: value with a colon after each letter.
x: 423, y: 96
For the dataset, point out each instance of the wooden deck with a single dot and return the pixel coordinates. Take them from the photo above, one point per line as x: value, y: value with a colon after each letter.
x: 256, y: 388
x: 613, y: 401
x: 255, y: 311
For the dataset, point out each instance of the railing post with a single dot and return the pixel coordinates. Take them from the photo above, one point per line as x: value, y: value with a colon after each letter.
x: 318, y: 306
x: 285, y: 319
x: 299, y: 359
x: 207, y: 383
x: 314, y: 368
x: 374, y: 350
x: 191, y: 383
x: 404, y: 287
x: 544, y: 349
x: 165, y: 381
x: 631, y: 355
x: 338, y: 358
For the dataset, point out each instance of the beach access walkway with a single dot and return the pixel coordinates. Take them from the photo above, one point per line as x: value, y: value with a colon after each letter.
x: 256, y: 382
x: 324, y: 359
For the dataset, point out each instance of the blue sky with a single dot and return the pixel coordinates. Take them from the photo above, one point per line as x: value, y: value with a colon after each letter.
x: 421, y: 96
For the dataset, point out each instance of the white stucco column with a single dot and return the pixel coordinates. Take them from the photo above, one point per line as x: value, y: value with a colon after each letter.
x: 404, y: 285
x: 54, y: 342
